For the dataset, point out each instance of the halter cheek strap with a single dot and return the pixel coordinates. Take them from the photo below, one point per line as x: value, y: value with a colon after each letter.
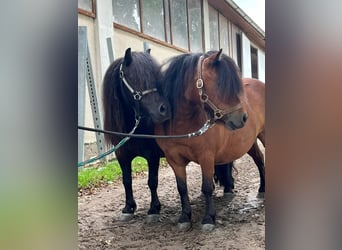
x: 218, y: 113
x: 137, y: 95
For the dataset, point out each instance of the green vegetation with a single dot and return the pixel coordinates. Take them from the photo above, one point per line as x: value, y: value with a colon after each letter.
x: 103, y: 174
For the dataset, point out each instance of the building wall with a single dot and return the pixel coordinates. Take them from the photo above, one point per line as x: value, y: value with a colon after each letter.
x: 124, y: 40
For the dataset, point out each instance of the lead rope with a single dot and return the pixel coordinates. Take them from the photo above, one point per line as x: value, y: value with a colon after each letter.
x: 116, y: 147
x: 208, y: 124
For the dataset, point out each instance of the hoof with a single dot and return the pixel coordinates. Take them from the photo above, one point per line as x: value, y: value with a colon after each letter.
x: 261, y: 195
x: 125, y: 217
x: 185, y: 226
x: 152, y: 218
x: 206, y: 228
x: 229, y: 195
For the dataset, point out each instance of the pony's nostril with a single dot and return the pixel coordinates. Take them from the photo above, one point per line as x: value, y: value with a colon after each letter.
x: 162, y: 109
x: 244, y: 117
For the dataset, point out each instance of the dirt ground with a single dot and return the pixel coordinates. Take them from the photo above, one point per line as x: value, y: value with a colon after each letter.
x: 240, y: 220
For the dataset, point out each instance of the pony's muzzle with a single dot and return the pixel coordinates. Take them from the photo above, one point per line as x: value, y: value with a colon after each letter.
x: 162, y: 113
x: 236, y: 120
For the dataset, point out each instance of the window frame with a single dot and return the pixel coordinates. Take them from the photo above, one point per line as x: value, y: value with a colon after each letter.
x: 86, y: 12
x: 165, y: 41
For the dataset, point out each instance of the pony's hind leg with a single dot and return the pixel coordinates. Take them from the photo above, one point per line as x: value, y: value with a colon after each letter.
x: 154, y: 211
x: 223, y: 174
x: 261, y: 137
x: 131, y: 206
x: 258, y: 158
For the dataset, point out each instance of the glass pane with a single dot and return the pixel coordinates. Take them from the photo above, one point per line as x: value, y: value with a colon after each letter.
x: 213, y: 29
x: 224, y: 34
x: 85, y: 5
x: 179, y: 23
x: 254, y: 62
x: 167, y: 21
x: 153, y: 18
x: 195, y: 25
x: 126, y: 12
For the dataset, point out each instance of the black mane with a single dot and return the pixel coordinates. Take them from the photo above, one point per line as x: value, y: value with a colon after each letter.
x: 119, y: 113
x: 180, y: 71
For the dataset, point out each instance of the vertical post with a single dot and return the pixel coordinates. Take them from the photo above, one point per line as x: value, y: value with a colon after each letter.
x: 82, y: 50
x: 206, y: 25
x: 146, y: 46
x: 110, y: 50
x: 94, y: 104
x: 103, y: 29
x: 103, y: 25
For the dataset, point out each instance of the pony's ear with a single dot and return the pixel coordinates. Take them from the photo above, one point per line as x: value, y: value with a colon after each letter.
x: 148, y: 51
x: 218, y: 56
x: 128, y: 57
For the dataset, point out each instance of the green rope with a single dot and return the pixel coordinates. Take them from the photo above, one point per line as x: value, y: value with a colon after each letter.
x: 116, y: 147
x: 121, y: 143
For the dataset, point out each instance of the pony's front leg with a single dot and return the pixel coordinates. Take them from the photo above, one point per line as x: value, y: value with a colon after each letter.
x: 184, y: 222
x: 131, y: 206
x: 208, y: 222
x: 154, y: 211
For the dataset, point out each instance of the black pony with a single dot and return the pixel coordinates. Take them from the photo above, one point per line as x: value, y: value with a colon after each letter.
x: 131, y: 99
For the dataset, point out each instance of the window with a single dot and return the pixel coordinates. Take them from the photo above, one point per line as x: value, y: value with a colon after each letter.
x: 224, y: 42
x: 254, y: 62
x: 126, y: 12
x: 176, y: 22
x: 195, y: 25
x: 86, y: 7
x: 213, y: 29
x: 218, y: 30
x: 179, y: 23
x: 153, y: 18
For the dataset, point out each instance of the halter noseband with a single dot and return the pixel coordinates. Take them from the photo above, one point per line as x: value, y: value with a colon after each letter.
x: 137, y: 95
x: 218, y: 113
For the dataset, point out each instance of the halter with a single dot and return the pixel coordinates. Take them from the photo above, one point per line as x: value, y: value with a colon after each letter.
x: 218, y: 113
x: 137, y: 95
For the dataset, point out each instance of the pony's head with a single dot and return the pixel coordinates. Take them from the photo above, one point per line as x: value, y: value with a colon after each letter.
x: 130, y: 90
x: 209, y: 82
x: 219, y: 88
x: 139, y: 74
